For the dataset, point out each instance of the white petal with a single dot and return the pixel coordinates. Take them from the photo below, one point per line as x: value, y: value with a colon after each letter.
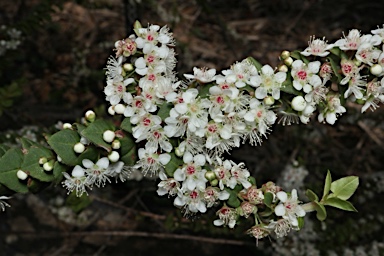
x: 267, y: 70
x: 282, y: 196
x: 199, y: 159
x: 87, y: 163
x: 103, y: 162
x: 280, y: 210
x: 187, y: 158
x: 164, y: 158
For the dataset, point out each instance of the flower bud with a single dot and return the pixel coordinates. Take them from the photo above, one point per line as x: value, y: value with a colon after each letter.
x: 285, y: 54
x: 214, y: 182
x: 59, y: 158
x: 114, y: 156
x: 128, y: 67
x: 298, y: 103
x: 67, y: 126
x: 376, y: 69
x: 109, y: 136
x: 21, y: 175
x: 111, y: 110
x: 42, y: 160
x: 210, y: 175
x: 269, y: 101
x: 116, y: 144
x: 119, y: 109
x: 79, y: 148
x: 288, y: 61
x: 48, y: 166
x: 283, y: 68
x: 90, y: 116
x: 178, y: 152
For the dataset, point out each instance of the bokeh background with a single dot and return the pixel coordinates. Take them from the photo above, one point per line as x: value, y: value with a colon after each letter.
x: 54, y: 71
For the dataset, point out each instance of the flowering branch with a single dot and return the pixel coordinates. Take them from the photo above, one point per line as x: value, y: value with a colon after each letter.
x: 178, y: 130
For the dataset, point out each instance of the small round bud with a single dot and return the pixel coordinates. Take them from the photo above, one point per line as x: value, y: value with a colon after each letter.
x: 42, y: 160
x: 79, y: 148
x: 376, y: 69
x: 59, y: 158
x: 109, y: 136
x: 21, y: 175
x: 210, y: 175
x: 128, y: 67
x: 90, y: 115
x: 298, y: 103
x: 111, y: 110
x: 288, y: 61
x: 119, y: 109
x: 269, y: 101
x: 67, y: 126
x: 214, y: 182
x: 285, y: 54
x: 116, y: 144
x: 178, y: 152
x: 283, y: 68
x: 48, y: 166
x: 114, y: 156
x: 357, y: 62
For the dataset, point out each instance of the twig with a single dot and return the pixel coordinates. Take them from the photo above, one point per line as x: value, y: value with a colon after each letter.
x: 131, y: 234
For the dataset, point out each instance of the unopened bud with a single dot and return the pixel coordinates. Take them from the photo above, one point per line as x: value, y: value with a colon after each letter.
x: 214, y: 182
x: 298, y: 103
x: 114, y: 156
x: 178, y: 152
x: 283, y: 68
x: 59, y: 158
x: 42, y: 160
x: 269, y: 101
x: 376, y: 69
x: 109, y: 136
x: 285, y: 54
x: 48, y: 166
x: 79, y: 148
x: 67, y: 126
x: 210, y: 175
x: 288, y: 61
x: 116, y: 144
x: 119, y: 109
x: 21, y: 175
x: 111, y: 110
x: 128, y: 67
x: 90, y: 116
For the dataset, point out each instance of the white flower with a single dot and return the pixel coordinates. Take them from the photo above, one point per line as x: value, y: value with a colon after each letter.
x: 240, y: 74
x: 115, y: 90
x: 353, y: 40
x: 270, y: 83
x: 367, y: 54
x: 302, y: 73
x: 317, y: 47
x: 191, y: 173
x: 213, y: 194
x: 144, y: 124
x: 332, y: 109
x: 374, y: 95
x: 240, y: 175
x: 289, y: 207
x: 227, y: 217
x: 78, y: 181
x: 167, y: 185
x: 97, y: 173
x: 192, y: 200
x: 203, y: 75
x: 354, y: 87
x: 4, y: 204
x: 222, y: 172
x: 260, y: 116
x: 151, y: 161
x: 114, y: 68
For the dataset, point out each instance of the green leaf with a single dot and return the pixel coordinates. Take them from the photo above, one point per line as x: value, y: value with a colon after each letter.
x: 321, y: 212
x: 255, y: 63
x: 3, y: 149
x: 340, y: 204
x: 27, y: 143
x: 10, y: 163
x: 327, y: 184
x: 31, y: 163
x: 252, y: 180
x: 311, y: 195
x: 164, y: 110
x: 204, y: 90
x: 62, y: 143
x: 296, y: 55
x: 77, y: 204
x: 128, y: 150
x: 94, y: 133
x: 173, y: 164
x: 233, y: 200
x: 126, y: 125
x: 268, y: 198
x: 287, y: 86
x: 345, y: 187
x: 300, y: 220
x: 335, y: 68
x: 58, y: 170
